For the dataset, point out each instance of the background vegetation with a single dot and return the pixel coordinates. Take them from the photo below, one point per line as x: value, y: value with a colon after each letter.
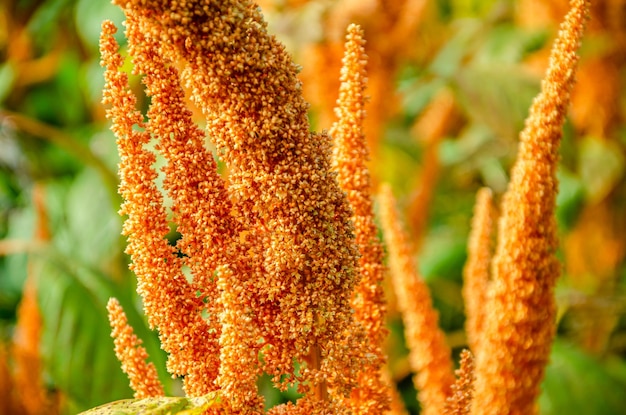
x: 460, y: 89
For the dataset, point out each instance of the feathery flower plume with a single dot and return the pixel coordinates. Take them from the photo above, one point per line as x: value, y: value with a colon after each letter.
x: 239, y: 367
x: 519, y: 331
x: 170, y: 302
x: 202, y: 213
x: 476, y: 271
x: 280, y: 180
x: 210, y: 234
x: 274, y: 271
x: 28, y: 364
x: 390, y: 24
x: 349, y: 160
x: 144, y: 380
x: 276, y: 246
x: 396, y: 405
x: 429, y: 355
x: 460, y: 399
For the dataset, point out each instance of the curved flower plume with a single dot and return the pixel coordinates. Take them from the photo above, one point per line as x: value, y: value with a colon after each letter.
x: 143, y: 376
x: 350, y: 156
x: 280, y: 233
x: 476, y: 272
x: 279, y: 270
x: 211, y: 235
x: 429, y: 355
x: 460, y: 399
x: 518, y: 331
x: 170, y: 301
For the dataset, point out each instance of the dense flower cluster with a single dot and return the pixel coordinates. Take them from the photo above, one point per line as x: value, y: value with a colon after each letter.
x: 516, y: 339
x: 279, y: 269
x: 143, y: 376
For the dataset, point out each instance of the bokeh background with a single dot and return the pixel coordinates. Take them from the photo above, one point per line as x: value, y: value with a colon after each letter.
x: 450, y: 85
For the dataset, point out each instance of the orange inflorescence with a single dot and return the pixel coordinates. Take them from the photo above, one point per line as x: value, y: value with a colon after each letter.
x: 170, y: 302
x: 210, y: 234
x: 398, y: 21
x: 349, y: 160
x: 144, y: 380
x: 460, y: 399
x: 396, y: 405
x: 429, y: 354
x: 28, y: 364
x: 476, y: 272
x: 280, y: 182
x: 239, y: 356
x: 275, y: 283
x: 281, y: 230
x: 518, y: 331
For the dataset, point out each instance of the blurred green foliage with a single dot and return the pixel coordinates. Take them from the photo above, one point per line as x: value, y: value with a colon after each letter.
x: 53, y: 136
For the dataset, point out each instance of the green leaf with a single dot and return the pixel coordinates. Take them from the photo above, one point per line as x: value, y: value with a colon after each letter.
x: 159, y: 406
x: 92, y: 225
x: 472, y: 8
x: 73, y: 111
x: 77, y: 345
x: 497, y: 95
x: 443, y: 256
x: 449, y: 59
x: 507, y: 44
x: 570, y: 199
x: 75, y: 325
x: 44, y: 24
x: 576, y: 383
x: 601, y: 167
x: 89, y: 15
x: 12, y: 267
x: 417, y: 94
x: 7, y: 76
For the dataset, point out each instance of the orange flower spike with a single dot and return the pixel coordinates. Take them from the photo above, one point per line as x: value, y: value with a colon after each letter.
x: 429, y: 355
x: 197, y: 192
x: 476, y: 272
x: 460, y: 399
x: 199, y: 196
x: 169, y: 301
x: 28, y: 363
x: 520, y: 328
x: 396, y: 406
x: 27, y: 356
x: 246, y: 85
x: 350, y: 156
x: 239, y: 357
x: 143, y: 376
